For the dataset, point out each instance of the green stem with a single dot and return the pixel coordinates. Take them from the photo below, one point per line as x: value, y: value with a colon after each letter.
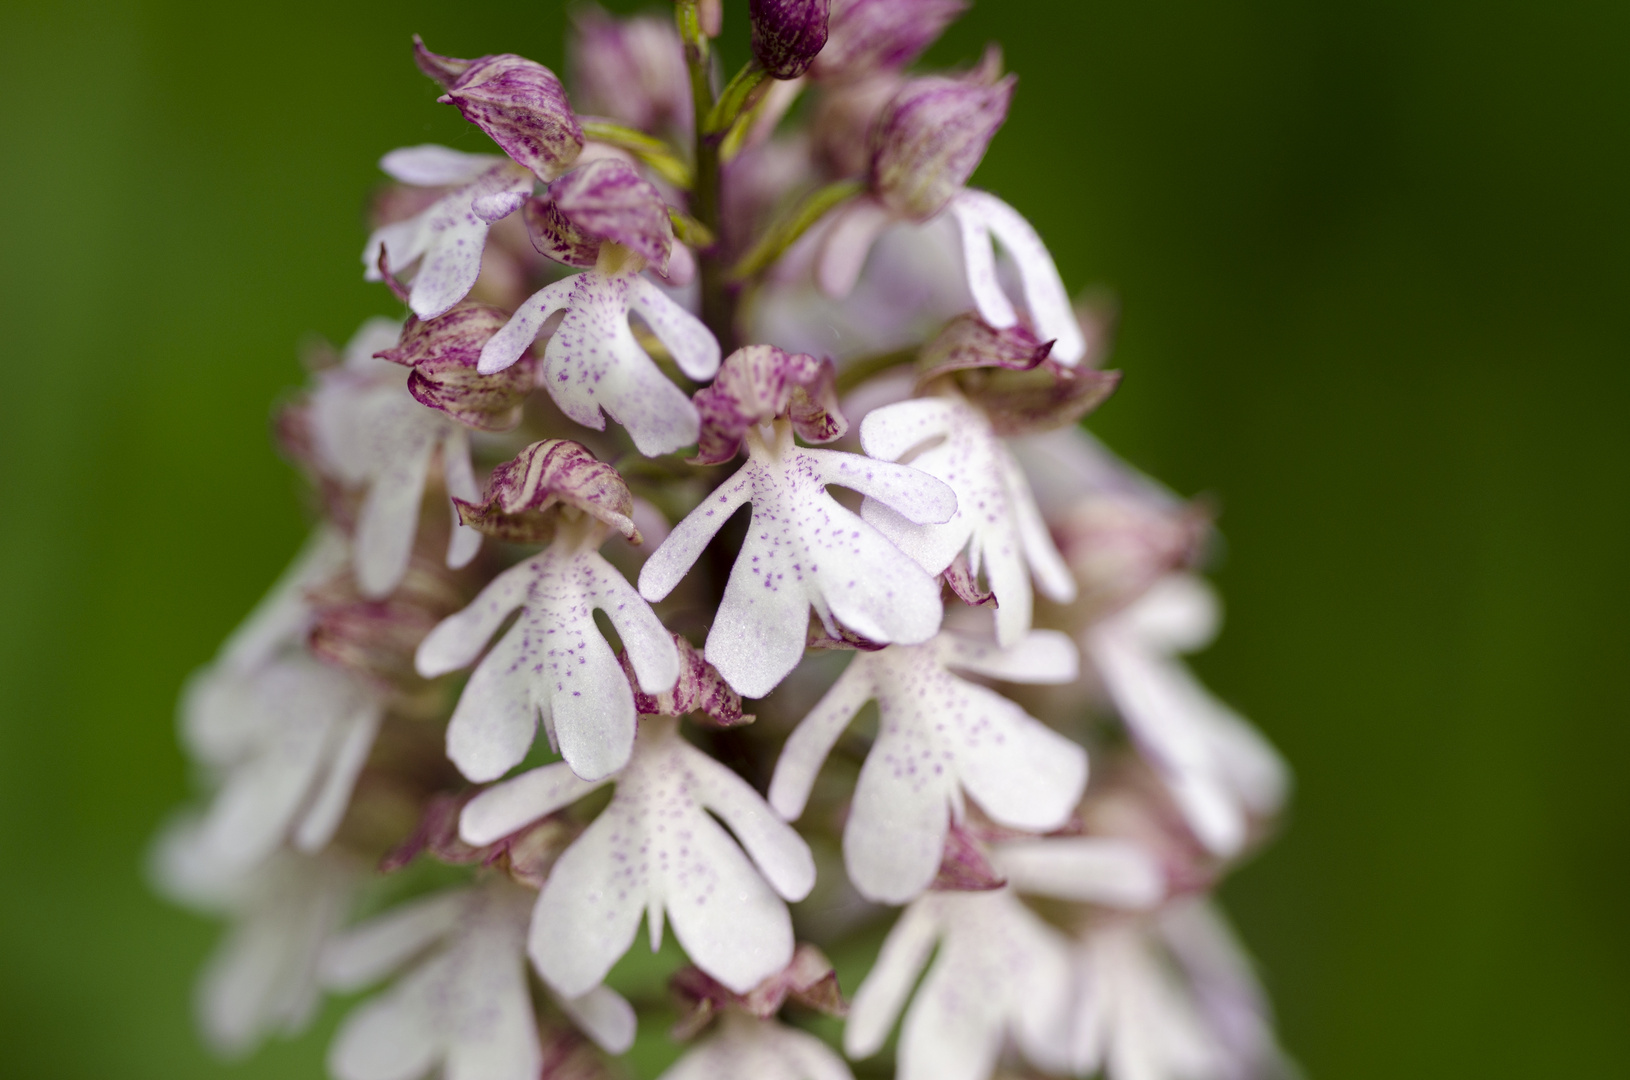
x: 718, y: 300
x: 784, y: 232
x: 738, y: 96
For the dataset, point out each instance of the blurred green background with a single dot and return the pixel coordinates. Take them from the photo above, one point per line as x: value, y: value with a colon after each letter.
x: 1374, y: 260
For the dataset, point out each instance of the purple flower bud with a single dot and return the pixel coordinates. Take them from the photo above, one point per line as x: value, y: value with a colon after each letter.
x: 932, y: 136
x: 631, y: 70
x: 758, y: 384
x: 443, y: 353
x: 787, y: 34
x: 518, y: 102
x: 699, y: 689
x: 604, y: 200
x: 525, y: 496
x: 866, y: 35
x: 969, y: 342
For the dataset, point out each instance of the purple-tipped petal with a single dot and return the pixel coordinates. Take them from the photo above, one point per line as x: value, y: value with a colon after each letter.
x: 699, y: 689
x: 525, y: 495
x: 867, y: 35
x: 932, y: 136
x: 443, y: 353
x: 608, y: 199
x: 787, y: 34
x: 969, y: 342
x: 760, y: 383
x: 444, y: 69
x: 521, y: 105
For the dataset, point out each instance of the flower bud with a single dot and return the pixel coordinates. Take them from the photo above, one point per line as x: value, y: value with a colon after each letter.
x: 443, y: 353
x: 868, y: 35
x: 787, y: 34
x: 518, y: 102
x: 761, y: 383
x: 699, y: 689
x: 932, y: 136
x: 969, y: 342
x: 603, y: 200
x: 631, y: 70
x: 525, y: 496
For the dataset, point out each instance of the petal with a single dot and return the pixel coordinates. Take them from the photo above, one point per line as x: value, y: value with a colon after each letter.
x: 403, y: 242
x: 430, y: 165
x: 604, y: 1016
x: 511, y: 806
x: 368, y: 952
x: 781, y: 854
x: 847, y: 242
x: 458, y: 639
x: 348, y: 753
x: 871, y: 586
x: 459, y: 476
x: 1042, y: 656
x: 952, y: 1032
x: 1044, y: 291
x: 497, y: 714
x: 456, y: 237
x: 1021, y: 772
x: 1046, y: 564
x: 591, y: 905
x: 979, y: 260
x: 650, y: 647
x: 812, y: 740
x: 388, y: 520
x: 507, y: 345
x: 1093, y: 870
x: 392, y: 1037
x: 912, y: 493
x: 498, y: 205
x: 889, y: 432
x: 679, y: 552
x: 590, y: 701
x: 883, y: 993
x: 492, y: 1032
x: 1009, y: 576
x: 810, y: 1058
x: 725, y: 916
x: 895, y: 834
x: 758, y: 632
x: 687, y: 338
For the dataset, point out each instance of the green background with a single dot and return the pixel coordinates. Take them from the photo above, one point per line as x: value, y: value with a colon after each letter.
x: 1374, y: 260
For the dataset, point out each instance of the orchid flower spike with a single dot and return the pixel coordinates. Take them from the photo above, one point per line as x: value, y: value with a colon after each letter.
x: 368, y: 431
x: 926, y: 145
x: 938, y: 736
x: 605, y: 217
x: 553, y: 662
x: 655, y: 849
x: 1219, y: 769
x: 803, y: 549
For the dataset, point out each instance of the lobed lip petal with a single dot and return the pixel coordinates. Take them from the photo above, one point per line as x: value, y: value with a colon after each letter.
x: 932, y: 136
x: 524, y: 495
x: 518, y: 102
x: 606, y: 198
x: 787, y: 34
x: 760, y: 383
x: 867, y: 35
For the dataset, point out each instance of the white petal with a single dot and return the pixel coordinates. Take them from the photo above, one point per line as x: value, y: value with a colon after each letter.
x: 895, y: 835
x: 354, y: 739
x: 679, y: 552
x: 847, y: 242
x: 509, y: 344
x: 1094, y: 870
x: 979, y: 260
x: 890, y: 432
x: 1179, y: 613
x: 729, y: 922
x: 459, y: 476
x: 812, y: 740
x: 759, y: 629
x: 430, y: 165
x: 912, y: 493
x: 458, y: 639
x: 1046, y: 564
x: 883, y: 993
x: 870, y: 585
x: 649, y: 646
x: 687, y: 338
x: 952, y: 1032
x: 494, y: 1034
x: 388, y: 520
x: 497, y: 715
x: 368, y: 952
x: 781, y: 854
x: 452, y: 258
x: 403, y: 243
x: 591, y: 905
x: 391, y: 1037
x: 1044, y: 291
x: 1021, y: 772
x: 1043, y: 656
x: 604, y: 1016
x: 1009, y: 576
x: 590, y: 701
x: 508, y: 807
x: 497, y: 205
x: 811, y: 1058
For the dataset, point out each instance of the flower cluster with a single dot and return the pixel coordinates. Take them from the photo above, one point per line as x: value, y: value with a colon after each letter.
x: 843, y: 467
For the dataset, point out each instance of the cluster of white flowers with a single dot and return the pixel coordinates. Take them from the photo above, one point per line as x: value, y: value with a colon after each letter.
x: 1012, y: 597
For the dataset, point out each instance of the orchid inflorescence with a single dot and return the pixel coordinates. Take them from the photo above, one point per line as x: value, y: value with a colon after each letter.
x: 812, y: 315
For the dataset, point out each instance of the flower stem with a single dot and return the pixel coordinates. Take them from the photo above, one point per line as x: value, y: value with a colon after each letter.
x: 718, y: 299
